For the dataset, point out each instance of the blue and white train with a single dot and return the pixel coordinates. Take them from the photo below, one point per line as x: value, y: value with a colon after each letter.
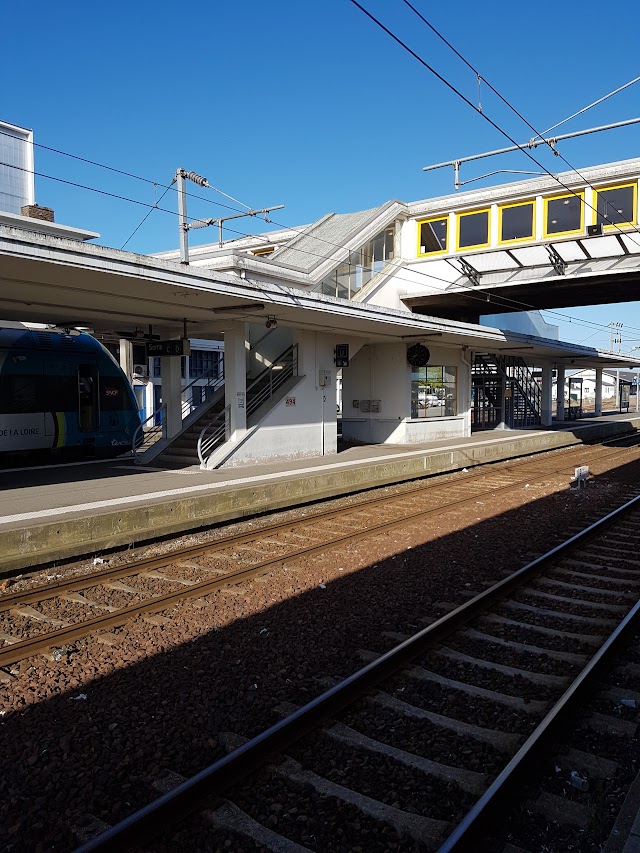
x: 61, y: 394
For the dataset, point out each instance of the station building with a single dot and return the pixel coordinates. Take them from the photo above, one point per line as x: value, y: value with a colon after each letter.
x: 487, y: 256
x: 422, y: 313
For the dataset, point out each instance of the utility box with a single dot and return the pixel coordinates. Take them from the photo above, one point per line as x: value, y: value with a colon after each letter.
x: 324, y: 378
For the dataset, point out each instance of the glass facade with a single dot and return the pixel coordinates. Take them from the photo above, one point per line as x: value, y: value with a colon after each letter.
x: 202, y: 363
x: 433, y: 391
x: 352, y: 275
x: 16, y: 178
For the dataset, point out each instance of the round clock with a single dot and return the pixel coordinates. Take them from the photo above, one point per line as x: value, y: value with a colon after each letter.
x: 418, y: 355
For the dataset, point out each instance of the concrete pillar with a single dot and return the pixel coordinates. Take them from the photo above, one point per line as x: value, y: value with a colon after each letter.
x: 171, y: 379
x: 235, y: 377
x: 546, y: 396
x: 560, y: 415
x: 598, y: 411
x: 126, y: 358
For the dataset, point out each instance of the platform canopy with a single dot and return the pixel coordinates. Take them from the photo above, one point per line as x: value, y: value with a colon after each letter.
x: 119, y: 294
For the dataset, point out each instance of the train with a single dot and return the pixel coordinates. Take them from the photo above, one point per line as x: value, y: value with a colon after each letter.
x: 62, y: 394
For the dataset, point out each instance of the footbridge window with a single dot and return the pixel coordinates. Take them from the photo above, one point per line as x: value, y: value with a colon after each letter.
x: 564, y: 214
x: 362, y: 265
x: 432, y: 236
x: 516, y: 222
x: 616, y: 205
x: 473, y: 229
x: 433, y: 391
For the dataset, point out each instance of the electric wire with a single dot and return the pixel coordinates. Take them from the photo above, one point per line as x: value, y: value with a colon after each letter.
x: 507, y: 103
x: 463, y: 97
x: 497, y: 300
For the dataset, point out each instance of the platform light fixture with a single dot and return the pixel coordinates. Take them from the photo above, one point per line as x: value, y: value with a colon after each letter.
x: 271, y: 323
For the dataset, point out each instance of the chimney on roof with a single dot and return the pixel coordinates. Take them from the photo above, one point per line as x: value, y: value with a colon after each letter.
x: 36, y: 212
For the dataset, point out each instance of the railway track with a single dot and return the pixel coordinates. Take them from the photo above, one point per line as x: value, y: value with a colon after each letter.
x: 423, y: 746
x: 99, y: 601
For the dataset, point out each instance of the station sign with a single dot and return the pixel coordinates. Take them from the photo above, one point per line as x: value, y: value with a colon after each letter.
x: 179, y: 347
x: 341, y: 355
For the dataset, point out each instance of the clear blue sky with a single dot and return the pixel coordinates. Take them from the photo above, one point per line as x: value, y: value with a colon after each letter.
x: 306, y: 104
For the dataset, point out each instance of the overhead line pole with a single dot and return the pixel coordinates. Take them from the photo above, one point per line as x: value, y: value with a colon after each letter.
x: 532, y: 143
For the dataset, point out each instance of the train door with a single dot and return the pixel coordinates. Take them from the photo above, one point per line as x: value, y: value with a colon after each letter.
x: 88, y: 410
x: 61, y: 399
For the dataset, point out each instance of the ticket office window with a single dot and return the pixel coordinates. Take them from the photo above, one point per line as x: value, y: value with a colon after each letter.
x: 516, y: 222
x: 432, y: 236
x: 616, y: 205
x: 564, y: 215
x: 473, y: 229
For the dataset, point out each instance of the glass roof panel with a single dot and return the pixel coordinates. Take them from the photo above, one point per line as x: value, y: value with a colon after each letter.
x: 632, y: 242
x: 570, y: 251
x: 531, y: 256
x: 490, y: 261
x: 603, y: 247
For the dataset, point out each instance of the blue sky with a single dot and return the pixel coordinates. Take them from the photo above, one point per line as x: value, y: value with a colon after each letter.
x: 307, y: 105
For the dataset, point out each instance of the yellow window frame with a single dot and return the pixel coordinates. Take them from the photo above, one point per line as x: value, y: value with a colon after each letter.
x: 502, y: 207
x: 460, y: 217
x: 422, y: 222
x: 555, y: 234
x: 634, y: 219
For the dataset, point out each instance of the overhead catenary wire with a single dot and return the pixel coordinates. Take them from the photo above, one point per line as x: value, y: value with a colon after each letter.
x: 469, y: 103
x: 497, y: 300
x: 506, y: 102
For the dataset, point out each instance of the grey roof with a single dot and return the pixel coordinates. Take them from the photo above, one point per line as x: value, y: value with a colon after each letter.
x: 321, y: 239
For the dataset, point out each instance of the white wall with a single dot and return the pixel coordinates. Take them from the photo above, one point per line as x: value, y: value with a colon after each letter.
x: 304, y: 422
x: 381, y: 373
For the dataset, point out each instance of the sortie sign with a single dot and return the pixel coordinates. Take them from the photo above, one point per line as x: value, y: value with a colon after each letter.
x: 180, y: 347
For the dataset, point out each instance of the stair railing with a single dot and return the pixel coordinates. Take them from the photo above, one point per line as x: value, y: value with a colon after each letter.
x: 151, y: 429
x: 214, y: 379
x: 215, y: 433
x: 263, y: 387
x: 271, y: 378
x: 154, y: 427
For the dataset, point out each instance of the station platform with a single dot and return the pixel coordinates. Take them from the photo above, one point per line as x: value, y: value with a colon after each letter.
x: 61, y: 511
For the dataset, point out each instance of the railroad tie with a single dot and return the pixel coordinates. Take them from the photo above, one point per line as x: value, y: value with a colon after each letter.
x: 78, y: 598
x: 231, y: 818
x: 31, y: 613
x: 417, y: 827
x: 532, y: 706
x: 159, y: 576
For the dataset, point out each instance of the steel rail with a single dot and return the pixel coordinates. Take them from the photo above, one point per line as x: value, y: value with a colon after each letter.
x: 70, y: 633
x: 148, y: 821
x: 51, y: 590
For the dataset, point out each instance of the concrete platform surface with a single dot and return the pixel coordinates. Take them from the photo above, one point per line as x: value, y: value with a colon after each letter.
x: 56, y: 512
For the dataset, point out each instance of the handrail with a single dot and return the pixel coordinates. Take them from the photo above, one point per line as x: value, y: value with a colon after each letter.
x: 258, y: 392
x: 144, y: 437
x: 215, y: 378
x: 285, y: 366
x: 207, y: 443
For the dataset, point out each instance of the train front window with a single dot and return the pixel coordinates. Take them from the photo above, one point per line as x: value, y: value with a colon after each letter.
x: 88, y: 414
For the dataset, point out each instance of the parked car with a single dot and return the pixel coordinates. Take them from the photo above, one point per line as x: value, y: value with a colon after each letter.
x: 431, y: 400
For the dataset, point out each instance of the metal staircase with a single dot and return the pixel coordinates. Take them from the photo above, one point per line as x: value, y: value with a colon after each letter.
x: 504, y: 391
x: 260, y: 390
